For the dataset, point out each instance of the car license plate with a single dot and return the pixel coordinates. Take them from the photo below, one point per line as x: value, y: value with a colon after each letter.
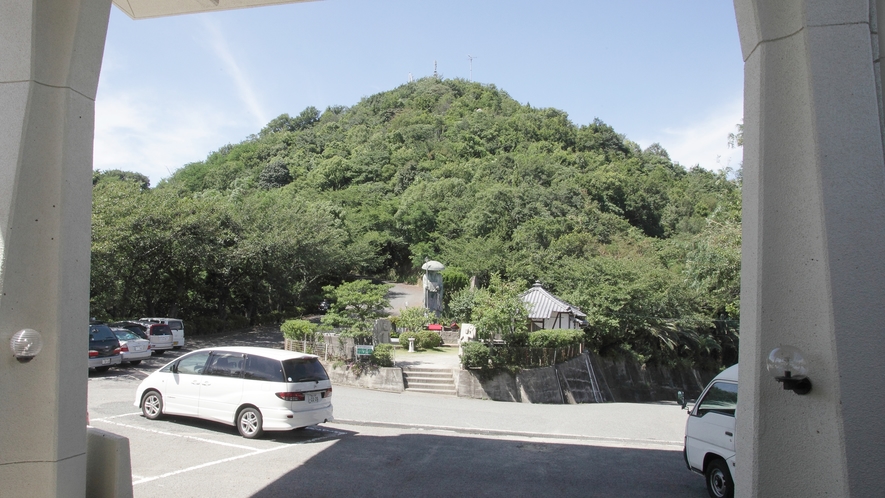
x: 313, y: 398
x: 106, y: 361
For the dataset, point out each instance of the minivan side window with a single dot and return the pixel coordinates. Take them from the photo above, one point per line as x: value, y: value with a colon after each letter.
x: 225, y: 365
x: 720, y: 398
x: 193, y: 364
x: 261, y: 368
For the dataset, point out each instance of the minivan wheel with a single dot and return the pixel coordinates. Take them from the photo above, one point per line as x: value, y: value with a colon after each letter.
x: 719, y: 483
x: 134, y: 362
x: 249, y: 423
x: 152, y: 405
x: 102, y: 369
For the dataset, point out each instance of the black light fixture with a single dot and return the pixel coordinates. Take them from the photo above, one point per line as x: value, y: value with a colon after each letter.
x: 787, y: 365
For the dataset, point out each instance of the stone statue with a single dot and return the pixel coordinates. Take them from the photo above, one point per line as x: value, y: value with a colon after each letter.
x: 433, y: 286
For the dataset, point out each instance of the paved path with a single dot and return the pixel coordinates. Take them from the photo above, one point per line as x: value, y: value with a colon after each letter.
x: 403, y: 296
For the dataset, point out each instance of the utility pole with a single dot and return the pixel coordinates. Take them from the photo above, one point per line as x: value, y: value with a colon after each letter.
x: 470, y: 58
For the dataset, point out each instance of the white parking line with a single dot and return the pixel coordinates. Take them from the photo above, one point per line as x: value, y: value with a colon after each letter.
x: 162, y: 433
x: 207, y: 464
x: 252, y: 451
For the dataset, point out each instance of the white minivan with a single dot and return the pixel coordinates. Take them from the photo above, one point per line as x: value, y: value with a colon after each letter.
x: 175, y: 324
x: 254, y: 389
x: 709, y: 434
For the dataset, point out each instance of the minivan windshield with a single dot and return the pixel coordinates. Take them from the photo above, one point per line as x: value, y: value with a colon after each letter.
x: 304, y: 370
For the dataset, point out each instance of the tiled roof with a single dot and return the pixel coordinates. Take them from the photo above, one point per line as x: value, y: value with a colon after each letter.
x: 546, y: 305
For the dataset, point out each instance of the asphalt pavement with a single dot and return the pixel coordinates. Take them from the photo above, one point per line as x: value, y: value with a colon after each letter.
x: 387, y: 444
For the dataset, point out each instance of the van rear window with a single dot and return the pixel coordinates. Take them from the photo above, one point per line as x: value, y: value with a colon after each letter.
x: 304, y: 370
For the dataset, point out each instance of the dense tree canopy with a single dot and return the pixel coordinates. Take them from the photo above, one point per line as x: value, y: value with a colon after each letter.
x: 443, y: 169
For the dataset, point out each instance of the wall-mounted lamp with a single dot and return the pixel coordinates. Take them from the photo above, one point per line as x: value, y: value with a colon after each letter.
x: 788, y: 367
x: 26, y: 344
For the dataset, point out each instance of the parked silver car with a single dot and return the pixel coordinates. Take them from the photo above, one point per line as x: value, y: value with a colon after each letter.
x: 132, y: 347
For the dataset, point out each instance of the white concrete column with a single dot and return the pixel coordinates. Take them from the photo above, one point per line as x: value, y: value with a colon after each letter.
x: 813, y: 273
x: 50, y: 58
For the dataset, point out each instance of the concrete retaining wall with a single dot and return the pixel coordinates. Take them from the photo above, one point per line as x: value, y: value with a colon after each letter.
x: 585, y: 379
x: 388, y: 379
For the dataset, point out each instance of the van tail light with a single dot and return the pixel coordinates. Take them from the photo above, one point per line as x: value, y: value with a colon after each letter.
x: 327, y: 393
x: 292, y: 396
x: 124, y: 348
x: 93, y: 353
x: 149, y: 347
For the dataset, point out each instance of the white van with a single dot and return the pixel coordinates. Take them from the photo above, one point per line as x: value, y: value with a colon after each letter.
x: 175, y: 324
x: 709, y: 434
x: 254, y: 389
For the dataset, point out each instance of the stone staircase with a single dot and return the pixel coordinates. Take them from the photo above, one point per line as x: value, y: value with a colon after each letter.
x: 429, y: 380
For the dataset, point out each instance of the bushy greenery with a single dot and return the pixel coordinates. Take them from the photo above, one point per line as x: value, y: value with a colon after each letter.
x: 555, y: 338
x: 382, y: 355
x: 448, y: 169
x: 298, y: 330
x: 413, y: 319
x: 355, y: 307
x: 475, y: 355
x: 424, y: 339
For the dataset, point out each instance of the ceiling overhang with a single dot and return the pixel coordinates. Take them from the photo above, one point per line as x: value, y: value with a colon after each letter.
x: 144, y: 9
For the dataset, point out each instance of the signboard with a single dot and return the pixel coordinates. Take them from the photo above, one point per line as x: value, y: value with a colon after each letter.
x: 364, y: 350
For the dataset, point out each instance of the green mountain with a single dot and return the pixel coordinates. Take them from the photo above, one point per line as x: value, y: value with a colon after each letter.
x: 442, y: 169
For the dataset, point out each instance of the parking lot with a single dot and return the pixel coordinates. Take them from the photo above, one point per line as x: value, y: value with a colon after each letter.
x: 402, y: 444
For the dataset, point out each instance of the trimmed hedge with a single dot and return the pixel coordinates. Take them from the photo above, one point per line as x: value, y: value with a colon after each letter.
x: 424, y: 339
x: 555, y: 338
x: 475, y: 355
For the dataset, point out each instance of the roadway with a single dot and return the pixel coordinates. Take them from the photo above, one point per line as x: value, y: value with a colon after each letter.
x: 385, y: 444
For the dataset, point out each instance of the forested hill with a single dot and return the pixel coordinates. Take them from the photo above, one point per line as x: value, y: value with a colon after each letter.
x: 444, y: 169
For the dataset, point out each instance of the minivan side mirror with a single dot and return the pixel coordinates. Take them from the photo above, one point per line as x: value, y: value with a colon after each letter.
x: 680, y: 397
x: 175, y: 367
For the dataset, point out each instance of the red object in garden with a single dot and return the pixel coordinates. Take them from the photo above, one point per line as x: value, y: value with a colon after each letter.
x: 434, y: 326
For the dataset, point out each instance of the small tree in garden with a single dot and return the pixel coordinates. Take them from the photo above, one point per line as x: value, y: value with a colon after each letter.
x: 355, y: 306
x: 413, y: 319
x: 499, y: 310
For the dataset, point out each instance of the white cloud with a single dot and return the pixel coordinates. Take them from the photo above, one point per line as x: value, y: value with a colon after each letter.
x: 705, y: 142
x: 138, y: 131
x: 244, y: 86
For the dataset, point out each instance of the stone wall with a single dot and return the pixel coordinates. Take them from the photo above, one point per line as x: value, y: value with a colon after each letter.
x: 388, y: 379
x: 585, y: 379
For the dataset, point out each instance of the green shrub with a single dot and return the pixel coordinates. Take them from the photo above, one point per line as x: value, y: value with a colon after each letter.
x: 555, y: 338
x: 298, y: 330
x: 404, y: 339
x: 428, y: 339
x: 382, y: 355
x: 424, y: 339
x: 475, y: 355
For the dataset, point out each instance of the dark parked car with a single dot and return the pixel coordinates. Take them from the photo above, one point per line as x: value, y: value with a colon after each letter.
x: 104, y: 348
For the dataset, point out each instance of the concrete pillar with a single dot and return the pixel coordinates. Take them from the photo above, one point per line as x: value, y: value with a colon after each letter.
x: 813, y: 273
x: 50, y: 57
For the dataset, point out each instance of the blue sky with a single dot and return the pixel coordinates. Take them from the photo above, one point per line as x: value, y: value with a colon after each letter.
x: 174, y: 89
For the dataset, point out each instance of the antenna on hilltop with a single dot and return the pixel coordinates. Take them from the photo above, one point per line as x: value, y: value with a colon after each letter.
x: 434, y: 70
x: 470, y: 58
x: 410, y: 78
